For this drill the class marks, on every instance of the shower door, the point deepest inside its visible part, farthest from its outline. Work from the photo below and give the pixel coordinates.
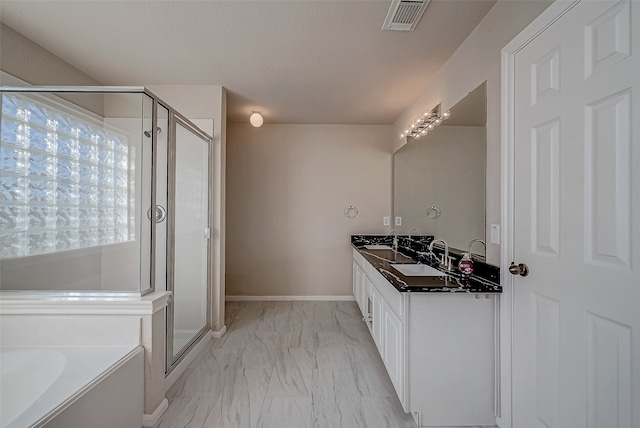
(188, 238)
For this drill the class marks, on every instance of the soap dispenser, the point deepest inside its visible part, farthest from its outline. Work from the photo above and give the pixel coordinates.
(465, 265)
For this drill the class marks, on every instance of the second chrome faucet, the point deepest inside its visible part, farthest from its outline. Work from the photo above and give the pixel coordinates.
(445, 262)
(394, 245)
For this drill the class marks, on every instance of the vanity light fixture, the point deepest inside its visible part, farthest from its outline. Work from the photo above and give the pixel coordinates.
(426, 123)
(256, 119)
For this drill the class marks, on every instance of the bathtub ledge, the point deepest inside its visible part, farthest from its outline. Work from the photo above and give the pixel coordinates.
(78, 305)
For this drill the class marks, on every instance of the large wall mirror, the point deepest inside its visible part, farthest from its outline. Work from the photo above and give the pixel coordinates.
(439, 178)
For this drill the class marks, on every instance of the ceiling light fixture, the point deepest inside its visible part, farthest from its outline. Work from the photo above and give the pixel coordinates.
(425, 123)
(256, 119)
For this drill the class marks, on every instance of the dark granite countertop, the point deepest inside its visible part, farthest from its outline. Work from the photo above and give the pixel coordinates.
(449, 282)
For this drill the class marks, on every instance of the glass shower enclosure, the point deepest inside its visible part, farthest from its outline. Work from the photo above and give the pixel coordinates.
(104, 193)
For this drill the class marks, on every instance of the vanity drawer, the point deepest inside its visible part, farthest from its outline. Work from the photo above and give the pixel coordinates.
(394, 299)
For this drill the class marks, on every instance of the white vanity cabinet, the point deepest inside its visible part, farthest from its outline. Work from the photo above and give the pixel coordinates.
(438, 348)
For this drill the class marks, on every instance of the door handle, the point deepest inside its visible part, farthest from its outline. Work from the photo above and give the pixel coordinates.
(160, 213)
(519, 269)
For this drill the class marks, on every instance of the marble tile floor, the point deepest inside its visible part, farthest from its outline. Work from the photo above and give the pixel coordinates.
(287, 364)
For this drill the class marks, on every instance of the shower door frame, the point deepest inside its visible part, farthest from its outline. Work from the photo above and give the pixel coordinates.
(175, 118)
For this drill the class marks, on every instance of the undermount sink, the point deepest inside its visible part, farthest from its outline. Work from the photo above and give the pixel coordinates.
(377, 247)
(382, 252)
(417, 270)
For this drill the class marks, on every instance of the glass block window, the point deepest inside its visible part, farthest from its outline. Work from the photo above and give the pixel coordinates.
(64, 180)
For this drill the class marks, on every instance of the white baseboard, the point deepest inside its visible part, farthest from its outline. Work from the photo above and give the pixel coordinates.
(153, 418)
(232, 298)
(219, 333)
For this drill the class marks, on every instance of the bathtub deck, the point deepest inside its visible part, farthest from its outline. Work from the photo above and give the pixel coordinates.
(83, 368)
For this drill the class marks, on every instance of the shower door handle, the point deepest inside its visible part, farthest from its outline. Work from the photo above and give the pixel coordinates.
(161, 213)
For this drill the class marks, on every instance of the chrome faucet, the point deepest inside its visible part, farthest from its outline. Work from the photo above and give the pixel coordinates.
(394, 245)
(474, 241)
(414, 230)
(444, 262)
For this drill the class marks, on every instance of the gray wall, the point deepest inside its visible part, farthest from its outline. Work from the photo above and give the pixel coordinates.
(288, 188)
(22, 58)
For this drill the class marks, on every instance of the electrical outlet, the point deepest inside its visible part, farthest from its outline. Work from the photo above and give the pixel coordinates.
(495, 234)
(398, 221)
(385, 221)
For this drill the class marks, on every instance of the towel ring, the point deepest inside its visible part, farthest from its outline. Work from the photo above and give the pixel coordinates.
(433, 212)
(351, 212)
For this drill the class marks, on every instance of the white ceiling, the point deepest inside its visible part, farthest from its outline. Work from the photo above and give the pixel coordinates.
(322, 61)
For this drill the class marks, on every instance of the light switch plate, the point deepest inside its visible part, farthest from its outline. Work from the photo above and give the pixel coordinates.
(495, 234)
(385, 221)
(398, 221)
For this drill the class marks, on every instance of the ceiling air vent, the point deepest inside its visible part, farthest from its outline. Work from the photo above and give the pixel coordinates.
(404, 15)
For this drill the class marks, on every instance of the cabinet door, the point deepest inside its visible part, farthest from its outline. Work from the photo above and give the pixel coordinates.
(376, 315)
(354, 280)
(393, 353)
(362, 296)
(357, 285)
(360, 286)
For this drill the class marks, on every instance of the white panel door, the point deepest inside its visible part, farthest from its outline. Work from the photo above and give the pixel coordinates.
(576, 316)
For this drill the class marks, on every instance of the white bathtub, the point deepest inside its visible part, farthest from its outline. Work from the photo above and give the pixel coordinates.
(71, 387)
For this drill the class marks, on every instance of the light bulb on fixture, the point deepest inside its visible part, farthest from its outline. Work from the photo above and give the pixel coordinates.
(256, 119)
(425, 123)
